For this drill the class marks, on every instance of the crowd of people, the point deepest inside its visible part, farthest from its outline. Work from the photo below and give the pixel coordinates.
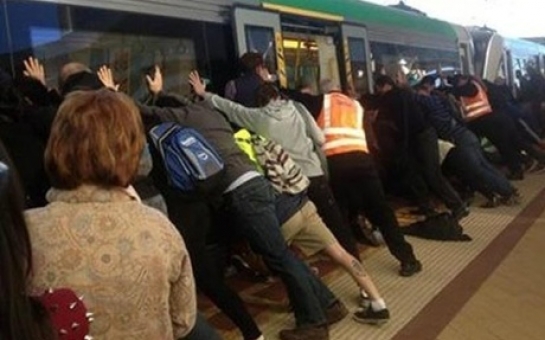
(108, 247)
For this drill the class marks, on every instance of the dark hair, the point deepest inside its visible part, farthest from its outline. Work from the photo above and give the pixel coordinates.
(81, 81)
(21, 317)
(428, 80)
(265, 93)
(250, 60)
(384, 80)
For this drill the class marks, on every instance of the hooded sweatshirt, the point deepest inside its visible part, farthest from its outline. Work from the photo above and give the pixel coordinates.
(282, 122)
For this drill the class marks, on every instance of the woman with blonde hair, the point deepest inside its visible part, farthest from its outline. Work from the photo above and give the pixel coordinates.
(96, 238)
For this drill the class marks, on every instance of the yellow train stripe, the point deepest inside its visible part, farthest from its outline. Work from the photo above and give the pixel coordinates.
(303, 12)
(281, 63)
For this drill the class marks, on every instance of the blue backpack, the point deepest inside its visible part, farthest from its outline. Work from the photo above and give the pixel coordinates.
(191, 163)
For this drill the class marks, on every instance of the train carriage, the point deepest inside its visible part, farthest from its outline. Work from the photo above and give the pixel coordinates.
(343, 40)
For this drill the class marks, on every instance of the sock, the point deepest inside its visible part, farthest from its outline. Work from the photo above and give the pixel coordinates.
(378, 304)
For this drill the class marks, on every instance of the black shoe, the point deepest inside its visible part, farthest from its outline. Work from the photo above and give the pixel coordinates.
(410, 268)
(511, 200)
(516, 176)
(370, 316)
(460, 212)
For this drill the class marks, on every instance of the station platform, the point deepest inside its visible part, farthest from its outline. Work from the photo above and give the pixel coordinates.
(489, 288)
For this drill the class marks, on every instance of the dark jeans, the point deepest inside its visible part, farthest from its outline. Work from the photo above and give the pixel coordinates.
(500, 131)
(426, 150)
(321, 195)
(358, 192)
(193, 220)
(252, 206)
(470, 165)
(202, 330)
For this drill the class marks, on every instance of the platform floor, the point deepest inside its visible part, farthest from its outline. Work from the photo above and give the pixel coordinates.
(490, 288)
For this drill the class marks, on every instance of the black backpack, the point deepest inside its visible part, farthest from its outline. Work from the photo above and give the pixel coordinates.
(440, 227)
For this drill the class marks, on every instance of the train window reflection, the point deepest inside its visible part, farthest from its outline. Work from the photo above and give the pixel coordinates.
(129, 43)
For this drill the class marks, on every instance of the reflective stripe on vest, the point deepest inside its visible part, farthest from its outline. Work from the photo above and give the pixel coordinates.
(341, 120)
(476, 106)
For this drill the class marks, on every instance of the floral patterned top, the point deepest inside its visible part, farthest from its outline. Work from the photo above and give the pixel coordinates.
(126, 260)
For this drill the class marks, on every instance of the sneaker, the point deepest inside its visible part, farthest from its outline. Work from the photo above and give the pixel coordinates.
(410, 268)
(336, 313)
(305, 333)
(370, 316)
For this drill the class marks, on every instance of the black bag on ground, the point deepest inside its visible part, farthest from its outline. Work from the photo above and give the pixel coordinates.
(441, 227)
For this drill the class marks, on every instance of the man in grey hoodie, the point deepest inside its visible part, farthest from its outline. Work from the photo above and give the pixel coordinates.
(289, 124)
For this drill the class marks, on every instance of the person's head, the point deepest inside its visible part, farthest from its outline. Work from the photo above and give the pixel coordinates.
(97, 139)
(460, 80)
(384, 84)
(427, 85)
(266, 93)
(70, 69)
(328, 85)
(20, 315)
(252, 62)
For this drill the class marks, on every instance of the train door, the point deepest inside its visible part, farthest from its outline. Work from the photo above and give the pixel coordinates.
(465, 59)
(493, 57)
(258, 30)
(356, 54)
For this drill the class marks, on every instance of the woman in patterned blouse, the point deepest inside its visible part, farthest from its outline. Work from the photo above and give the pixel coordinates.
(95, 237)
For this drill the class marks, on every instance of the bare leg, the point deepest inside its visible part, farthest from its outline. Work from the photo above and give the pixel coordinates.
(354, 268)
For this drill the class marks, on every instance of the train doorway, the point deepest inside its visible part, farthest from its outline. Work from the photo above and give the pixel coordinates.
(303, 51)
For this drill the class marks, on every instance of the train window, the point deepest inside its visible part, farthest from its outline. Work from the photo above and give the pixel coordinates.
(130, 43)
(414, 62)
(309, 59)
(262, 40)
(359, 64)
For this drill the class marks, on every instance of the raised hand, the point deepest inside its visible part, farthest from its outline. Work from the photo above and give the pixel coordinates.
(198, 85)
(107, 78)
(35, 70)
(155, 84)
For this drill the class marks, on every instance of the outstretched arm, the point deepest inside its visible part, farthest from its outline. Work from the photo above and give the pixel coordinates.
(236, 113)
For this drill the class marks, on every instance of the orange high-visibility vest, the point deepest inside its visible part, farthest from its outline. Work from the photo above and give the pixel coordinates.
(476, 106)
(341, 120)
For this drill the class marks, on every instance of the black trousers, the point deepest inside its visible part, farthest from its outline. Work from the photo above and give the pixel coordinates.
(193, 220)
(426, 151)
(321, 195)
(501, 131)
(357, 189)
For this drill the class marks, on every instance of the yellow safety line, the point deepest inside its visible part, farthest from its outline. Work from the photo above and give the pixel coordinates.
(303, 12)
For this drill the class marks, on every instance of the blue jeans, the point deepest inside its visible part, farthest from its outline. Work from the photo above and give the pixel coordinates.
(253, 208)
(470, 164)
(202, 330)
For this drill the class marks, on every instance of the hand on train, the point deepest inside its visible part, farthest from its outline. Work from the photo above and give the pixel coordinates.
(198, 85)
(35, 70)
(155, 84)
(107, 78)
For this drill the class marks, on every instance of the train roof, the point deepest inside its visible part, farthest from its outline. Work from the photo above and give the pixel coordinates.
(372, 14)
